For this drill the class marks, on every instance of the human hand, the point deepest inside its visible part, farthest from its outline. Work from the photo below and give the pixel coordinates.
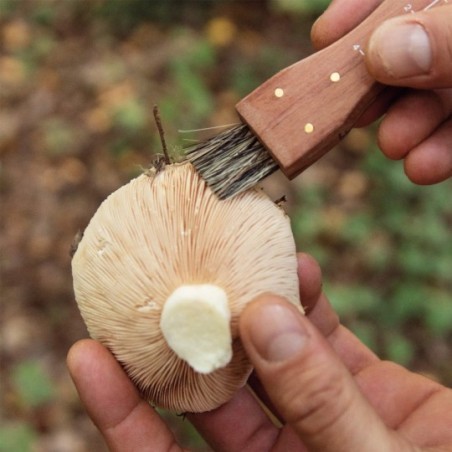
(412, 51)
(330, 392)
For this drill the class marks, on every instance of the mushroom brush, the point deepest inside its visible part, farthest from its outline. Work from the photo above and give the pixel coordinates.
(161, 276)
(301, 113)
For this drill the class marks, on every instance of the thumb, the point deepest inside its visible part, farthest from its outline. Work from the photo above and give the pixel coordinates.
(413, 50)
(307, 383)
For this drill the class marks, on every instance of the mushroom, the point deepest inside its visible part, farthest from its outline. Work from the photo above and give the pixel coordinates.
(161, 276)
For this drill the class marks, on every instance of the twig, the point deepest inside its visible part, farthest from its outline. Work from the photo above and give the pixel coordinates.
(158, 122)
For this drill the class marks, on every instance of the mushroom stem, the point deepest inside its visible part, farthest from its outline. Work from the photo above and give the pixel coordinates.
(195, 324)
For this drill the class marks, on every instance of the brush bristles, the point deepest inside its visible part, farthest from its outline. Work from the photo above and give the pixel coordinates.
(232, 161)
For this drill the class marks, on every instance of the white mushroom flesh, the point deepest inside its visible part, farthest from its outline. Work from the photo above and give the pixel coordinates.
(195, 324)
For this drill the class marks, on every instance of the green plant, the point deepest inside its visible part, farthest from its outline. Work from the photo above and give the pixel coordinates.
(17, 437)
(32, 384)
(387, 264)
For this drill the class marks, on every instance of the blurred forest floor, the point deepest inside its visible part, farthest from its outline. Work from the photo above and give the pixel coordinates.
(78, 80)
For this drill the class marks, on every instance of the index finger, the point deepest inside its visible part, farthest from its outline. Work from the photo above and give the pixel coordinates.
(125, 420)
(340, 18)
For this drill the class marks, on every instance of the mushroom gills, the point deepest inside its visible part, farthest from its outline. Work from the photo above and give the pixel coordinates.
(195, 324)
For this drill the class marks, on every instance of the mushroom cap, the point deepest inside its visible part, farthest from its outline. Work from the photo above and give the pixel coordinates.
(164, 230)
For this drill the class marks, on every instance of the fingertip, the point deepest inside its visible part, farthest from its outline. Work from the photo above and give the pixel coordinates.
(415, 174)
(310, 280)
(73, 354)
(307, 261)
(320, 34)
(387, 140)
(252, 310)
(427, 168)
(91, 365)
(94, 372)
(272, 332)
(339, 18)
(309, 268)
(265, 315)
(113, 402)
(410, 121)
(424, 146)
(80, 353)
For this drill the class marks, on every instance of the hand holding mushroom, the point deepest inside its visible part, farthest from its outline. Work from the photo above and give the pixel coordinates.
(327, 389)
(411, 51)
(330, 392)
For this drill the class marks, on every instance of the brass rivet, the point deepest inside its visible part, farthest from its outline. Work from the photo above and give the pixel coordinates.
(309, 128)
(335, 77)
(279, 92)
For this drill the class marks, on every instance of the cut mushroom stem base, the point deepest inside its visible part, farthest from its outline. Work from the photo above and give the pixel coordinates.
(195, 324)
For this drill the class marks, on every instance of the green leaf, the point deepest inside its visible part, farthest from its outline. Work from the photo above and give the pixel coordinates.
(8, 7)
(131, 116)
(406, 302)
(202, 56)
(358, 228)
(353, 300)
(399, 348)
(414, 260)
(439, 313)
(32, 383)
(300, 6)
(16, 437)
(366, 333)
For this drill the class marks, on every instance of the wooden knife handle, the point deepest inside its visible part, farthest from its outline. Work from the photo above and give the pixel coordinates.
(306, 109)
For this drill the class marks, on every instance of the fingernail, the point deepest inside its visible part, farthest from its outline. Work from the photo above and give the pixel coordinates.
(276, 333)
(403, 49)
